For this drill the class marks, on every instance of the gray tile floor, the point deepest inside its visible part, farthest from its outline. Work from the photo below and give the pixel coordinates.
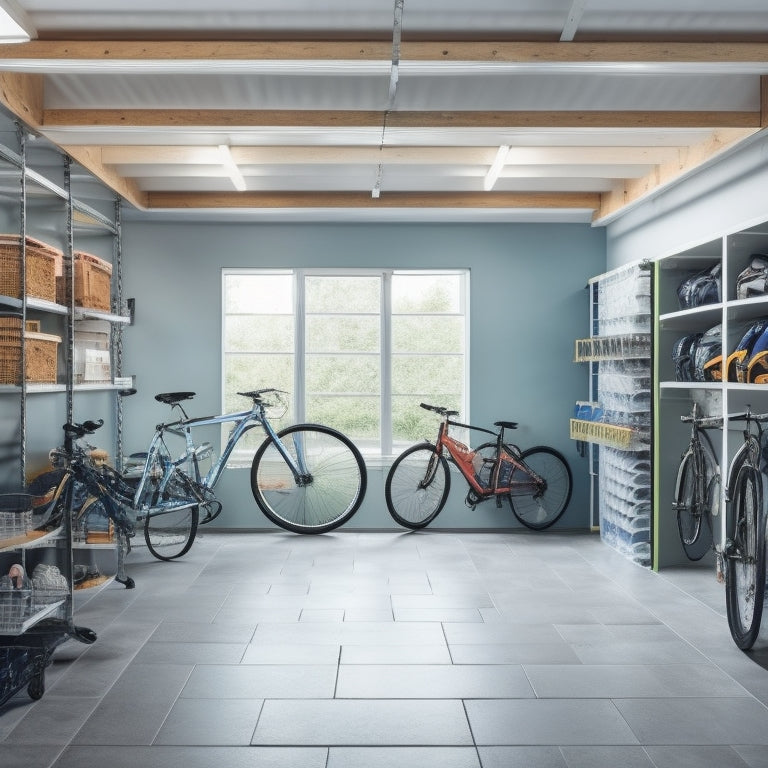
(458, 650)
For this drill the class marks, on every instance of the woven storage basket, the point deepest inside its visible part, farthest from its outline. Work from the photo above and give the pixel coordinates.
(41, 354)
(40, 272)
(41, 357)
(10, 350)
(93, 281)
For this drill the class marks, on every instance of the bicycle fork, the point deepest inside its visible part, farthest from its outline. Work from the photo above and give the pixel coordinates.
(301, 474)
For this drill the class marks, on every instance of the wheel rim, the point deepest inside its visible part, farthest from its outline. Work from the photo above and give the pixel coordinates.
(330, 488)
(416, 487)
(541, 510)
(746, 571)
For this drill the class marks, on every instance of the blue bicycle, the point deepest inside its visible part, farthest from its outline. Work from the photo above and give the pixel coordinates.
(306, 478)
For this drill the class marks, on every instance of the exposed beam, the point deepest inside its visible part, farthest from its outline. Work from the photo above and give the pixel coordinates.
(634, 190)
(231, 118)
(369, 50)
(190, 200)
(90, 158)
(764, 101)
(22, 94)
(390, 155)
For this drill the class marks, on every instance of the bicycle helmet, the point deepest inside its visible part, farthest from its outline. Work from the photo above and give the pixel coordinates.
(738, 361)
(757, 369)
(708, 357)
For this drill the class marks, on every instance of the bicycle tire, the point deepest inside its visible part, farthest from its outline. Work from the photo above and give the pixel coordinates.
(745, 559)
(693, 524)
(417, 486)
(541, 511)
(170, 533)
(336, 488)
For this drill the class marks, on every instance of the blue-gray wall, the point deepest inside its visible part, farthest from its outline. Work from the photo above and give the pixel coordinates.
(528, 304)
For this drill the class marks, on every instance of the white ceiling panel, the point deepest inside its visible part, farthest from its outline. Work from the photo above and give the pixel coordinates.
(421, 102)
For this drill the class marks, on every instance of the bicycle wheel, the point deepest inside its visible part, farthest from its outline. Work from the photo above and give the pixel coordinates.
(692, 506)
(330, 489)
(417, 486)
(170, 532)
(543, 509)
(745, 559)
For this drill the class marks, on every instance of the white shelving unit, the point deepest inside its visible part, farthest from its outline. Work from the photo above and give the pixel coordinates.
(716, 398)
(619, 439)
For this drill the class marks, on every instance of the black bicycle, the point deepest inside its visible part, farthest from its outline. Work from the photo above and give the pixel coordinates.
(742, 555)
(698, 486)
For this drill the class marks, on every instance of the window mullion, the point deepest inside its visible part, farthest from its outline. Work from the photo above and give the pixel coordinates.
(300, 348)
(386, 363)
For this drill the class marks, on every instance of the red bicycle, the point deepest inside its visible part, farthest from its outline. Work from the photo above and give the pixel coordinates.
(536, 482)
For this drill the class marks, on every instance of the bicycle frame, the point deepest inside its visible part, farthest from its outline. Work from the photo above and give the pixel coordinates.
(750, 444)
(183, 428)
(463, 457)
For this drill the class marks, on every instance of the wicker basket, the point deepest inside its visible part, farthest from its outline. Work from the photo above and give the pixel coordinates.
(10, 350)
(40, 273)
(41, 354)
(93, 281)
(42, 357)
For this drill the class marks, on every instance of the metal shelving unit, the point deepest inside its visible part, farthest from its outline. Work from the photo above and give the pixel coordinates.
(39, 197)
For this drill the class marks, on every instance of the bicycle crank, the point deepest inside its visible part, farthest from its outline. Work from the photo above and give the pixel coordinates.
(473, 499)
(212, 511)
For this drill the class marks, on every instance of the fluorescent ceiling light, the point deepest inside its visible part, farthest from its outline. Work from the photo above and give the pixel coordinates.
(496, 167)
(231, 167)
(11, 29)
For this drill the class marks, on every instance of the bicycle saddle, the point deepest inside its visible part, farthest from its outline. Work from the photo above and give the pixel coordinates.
(505, 424)
(171, 398)
(81, 430)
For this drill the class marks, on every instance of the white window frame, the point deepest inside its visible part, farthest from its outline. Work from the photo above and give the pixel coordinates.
(385, 352)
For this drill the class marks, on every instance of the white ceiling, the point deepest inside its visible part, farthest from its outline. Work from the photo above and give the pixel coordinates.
(390, 109)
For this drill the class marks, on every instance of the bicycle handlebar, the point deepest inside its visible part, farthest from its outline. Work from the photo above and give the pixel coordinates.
(256, 394)
(439, 409)
(748, 416)
(703, 422)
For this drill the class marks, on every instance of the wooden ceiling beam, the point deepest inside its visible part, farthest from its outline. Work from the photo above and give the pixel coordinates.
(523, 52)
(233, 118)
(22, 94)
(127, 155)
(634, 190)
(487, 200)
(90, 158)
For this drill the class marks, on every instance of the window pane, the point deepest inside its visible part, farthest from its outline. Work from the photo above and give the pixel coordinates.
(420, 293)
(259, 333)
(357, 417)
(341, 374)
(267, 294)
(428, 375)
(246, 372)
(342, 294)
(412, 424)
(428, 333)
(340, 333)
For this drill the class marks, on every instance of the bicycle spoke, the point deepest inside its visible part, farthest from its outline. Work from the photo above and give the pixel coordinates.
(417, 486)
(327, 492)
(546, 506)
(745, 571)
